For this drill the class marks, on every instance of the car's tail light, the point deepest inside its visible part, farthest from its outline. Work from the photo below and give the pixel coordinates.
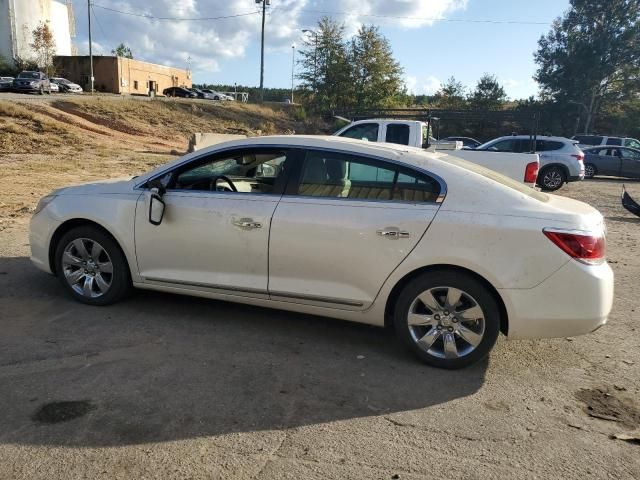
(586, 248)
(531, 172)
(578, 156)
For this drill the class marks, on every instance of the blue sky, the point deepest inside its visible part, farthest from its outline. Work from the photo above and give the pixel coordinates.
(228, 50)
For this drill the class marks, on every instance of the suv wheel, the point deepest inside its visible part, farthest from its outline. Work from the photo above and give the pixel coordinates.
(449, 319)
(552, 178)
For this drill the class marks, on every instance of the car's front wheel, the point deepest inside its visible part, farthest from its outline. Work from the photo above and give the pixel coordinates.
(552, 178)
(92, 267)
(448, 318)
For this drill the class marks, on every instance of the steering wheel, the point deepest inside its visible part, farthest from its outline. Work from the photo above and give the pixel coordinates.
(214, 183)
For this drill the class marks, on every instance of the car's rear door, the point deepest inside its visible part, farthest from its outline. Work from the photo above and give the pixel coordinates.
(344, 224)
(608, 161)
(630, 162)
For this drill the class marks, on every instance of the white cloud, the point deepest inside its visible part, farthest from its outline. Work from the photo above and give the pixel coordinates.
(207, 42)
(422, 86)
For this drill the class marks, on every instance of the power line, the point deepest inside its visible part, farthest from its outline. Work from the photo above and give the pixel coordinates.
(431, 19)
(104, 35)
(195, 19)
(328, 12)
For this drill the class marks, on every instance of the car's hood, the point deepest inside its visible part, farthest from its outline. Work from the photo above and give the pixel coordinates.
(115, 185)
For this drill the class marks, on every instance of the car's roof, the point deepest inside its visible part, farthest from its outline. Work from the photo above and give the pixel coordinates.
(538, 137)
(605, 147)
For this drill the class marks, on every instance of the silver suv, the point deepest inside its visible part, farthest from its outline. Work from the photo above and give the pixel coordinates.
(585, 140)
(561, 160)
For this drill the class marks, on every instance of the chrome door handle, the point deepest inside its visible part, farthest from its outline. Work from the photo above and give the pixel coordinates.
(247, 223)
(393, 233)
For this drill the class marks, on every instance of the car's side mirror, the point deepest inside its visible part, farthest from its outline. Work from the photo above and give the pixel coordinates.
(156, 207)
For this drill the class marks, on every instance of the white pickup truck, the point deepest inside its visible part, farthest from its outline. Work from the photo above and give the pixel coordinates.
(522, 167)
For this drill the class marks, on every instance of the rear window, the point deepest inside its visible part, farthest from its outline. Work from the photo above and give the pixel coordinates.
(614, 141)
(588, 139)
(397, 133)
(548, 145)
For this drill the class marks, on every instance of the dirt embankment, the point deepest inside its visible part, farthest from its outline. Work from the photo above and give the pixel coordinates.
(48, 144)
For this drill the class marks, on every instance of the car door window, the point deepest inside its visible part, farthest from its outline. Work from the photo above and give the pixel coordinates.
(338, 175)
(627, 153)
(503, 146)
(363, 131)
(397, 133)
(614, 141)
(259, 171)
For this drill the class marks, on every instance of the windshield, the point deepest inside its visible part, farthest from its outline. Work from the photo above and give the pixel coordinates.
(29, 75)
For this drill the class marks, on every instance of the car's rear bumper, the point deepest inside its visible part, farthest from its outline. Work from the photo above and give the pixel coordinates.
(575, 300)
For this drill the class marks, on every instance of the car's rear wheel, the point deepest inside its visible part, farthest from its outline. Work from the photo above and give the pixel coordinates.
(449, 319)
(92, 267)
(590, 170)
(552, 178)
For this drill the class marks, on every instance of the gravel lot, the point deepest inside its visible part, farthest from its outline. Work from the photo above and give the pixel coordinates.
(174, 387)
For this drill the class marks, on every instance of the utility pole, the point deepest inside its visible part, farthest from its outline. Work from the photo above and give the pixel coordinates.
(90, 46)
(264, 11)
(293, 62)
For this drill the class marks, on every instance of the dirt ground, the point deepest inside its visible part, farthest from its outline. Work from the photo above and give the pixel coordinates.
(163, 386)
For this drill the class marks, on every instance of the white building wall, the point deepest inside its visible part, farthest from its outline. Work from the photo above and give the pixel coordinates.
(16, 35)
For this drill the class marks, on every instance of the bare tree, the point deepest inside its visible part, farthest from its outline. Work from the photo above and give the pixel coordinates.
(45, 47)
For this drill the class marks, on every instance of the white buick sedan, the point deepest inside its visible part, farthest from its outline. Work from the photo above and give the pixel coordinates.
(448, 252)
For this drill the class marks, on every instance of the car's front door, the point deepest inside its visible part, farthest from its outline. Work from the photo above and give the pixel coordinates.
(344, 226)
(215, 230)
(630, 163)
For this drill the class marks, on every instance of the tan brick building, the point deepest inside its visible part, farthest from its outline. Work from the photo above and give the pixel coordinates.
(121, 75)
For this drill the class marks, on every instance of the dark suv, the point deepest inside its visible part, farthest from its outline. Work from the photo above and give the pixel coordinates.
(32, 82)
(178, 92)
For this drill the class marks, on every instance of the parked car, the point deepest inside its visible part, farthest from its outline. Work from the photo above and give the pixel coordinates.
(202, 94)
(616, 161)
(561, 160)
(30, 82)
(66, 86)
(447, 251)
(594, 140)
(520, 167)
(467, 142)
(6, 84)
(217, 95)
(179, 92)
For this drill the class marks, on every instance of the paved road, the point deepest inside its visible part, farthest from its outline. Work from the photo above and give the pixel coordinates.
(178, 387)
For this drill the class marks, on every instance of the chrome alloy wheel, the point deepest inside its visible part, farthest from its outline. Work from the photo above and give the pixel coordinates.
(552, 179)
(446, 322)
(87, 267)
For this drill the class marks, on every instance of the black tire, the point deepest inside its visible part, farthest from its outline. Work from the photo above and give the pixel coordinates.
(552, 178)
(473, 289)
(120, 278)
(590, 170)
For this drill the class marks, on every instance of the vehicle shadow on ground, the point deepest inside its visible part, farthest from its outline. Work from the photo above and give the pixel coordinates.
(162, 367)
